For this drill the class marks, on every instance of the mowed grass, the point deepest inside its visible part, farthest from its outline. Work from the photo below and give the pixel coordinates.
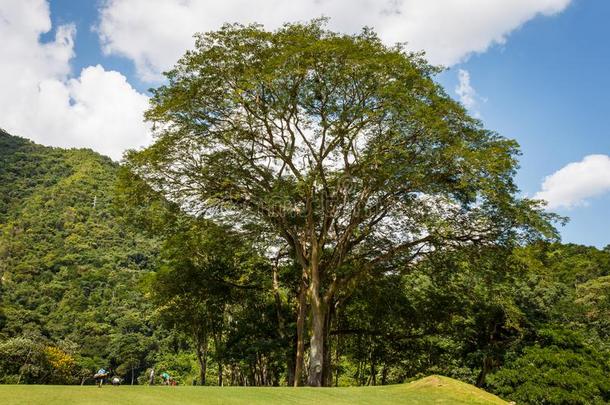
(430, 390)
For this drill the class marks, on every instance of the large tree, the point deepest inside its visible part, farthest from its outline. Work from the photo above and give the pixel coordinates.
(339, 147)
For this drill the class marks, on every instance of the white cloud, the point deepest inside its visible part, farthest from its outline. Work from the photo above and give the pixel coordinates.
(154, 34)
(574, 183)
(41, 101)
(465, 91)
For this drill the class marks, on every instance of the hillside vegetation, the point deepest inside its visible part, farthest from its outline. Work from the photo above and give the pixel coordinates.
(68, 263)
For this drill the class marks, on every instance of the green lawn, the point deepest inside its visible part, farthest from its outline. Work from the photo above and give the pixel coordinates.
(430, 390)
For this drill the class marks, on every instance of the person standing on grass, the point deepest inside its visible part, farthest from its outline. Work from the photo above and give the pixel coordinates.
(165, 377)
(99, 377)
(151, 377)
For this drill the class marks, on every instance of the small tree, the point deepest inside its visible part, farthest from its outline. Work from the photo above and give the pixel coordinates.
(202, 266)
(343, 147)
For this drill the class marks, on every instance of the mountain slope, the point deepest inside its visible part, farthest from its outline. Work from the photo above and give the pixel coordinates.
(69, 265)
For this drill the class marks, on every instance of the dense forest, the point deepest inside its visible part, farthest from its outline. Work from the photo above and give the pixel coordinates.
(227, 259)
(70, 267)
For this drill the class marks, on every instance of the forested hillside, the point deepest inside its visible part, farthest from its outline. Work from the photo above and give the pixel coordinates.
(69, 266)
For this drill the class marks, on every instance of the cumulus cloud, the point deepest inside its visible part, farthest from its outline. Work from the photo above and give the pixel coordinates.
(42, 101)
(576, 182)
(155, 34)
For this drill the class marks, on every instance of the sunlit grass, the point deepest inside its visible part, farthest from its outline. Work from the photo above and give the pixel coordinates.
(430, 390)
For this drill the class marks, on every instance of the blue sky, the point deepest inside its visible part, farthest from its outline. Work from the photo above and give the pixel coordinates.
(533, 71)
(84, 15)
(547, 87)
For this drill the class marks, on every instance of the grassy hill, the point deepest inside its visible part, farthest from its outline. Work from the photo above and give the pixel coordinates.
(430, 390)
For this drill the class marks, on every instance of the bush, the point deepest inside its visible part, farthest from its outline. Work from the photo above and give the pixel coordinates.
(26, 360)
(561, 369)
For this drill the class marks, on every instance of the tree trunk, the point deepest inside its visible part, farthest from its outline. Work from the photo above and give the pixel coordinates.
(281, 324)
(485, 368)
(300, 350)
(202, 358)
(316, 345)
(220, 373)
(327, 378)
(290, 367)
(384, 375)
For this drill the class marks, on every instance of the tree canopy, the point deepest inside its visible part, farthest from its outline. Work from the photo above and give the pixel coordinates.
(343, 151)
